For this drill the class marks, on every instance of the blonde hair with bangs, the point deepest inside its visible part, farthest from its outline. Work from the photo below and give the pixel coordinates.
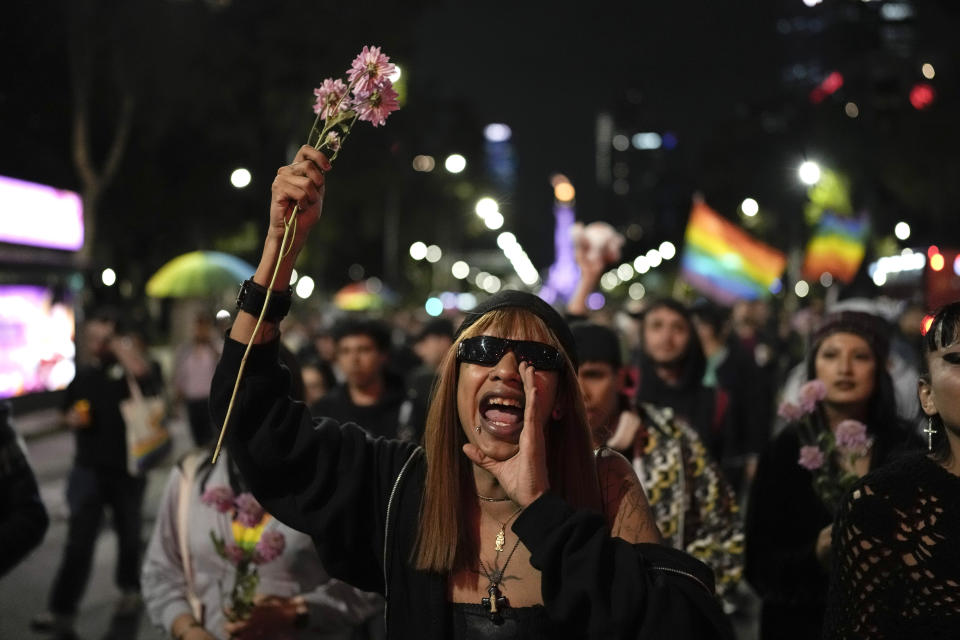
(444, 543)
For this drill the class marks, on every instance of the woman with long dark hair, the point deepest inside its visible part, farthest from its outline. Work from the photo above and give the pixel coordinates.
(495, 527)
(896, 570)
(789, 522)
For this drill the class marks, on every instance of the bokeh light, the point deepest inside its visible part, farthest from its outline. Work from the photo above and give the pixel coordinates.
(809, 173)
(802, 288)
(418, 251)
(433, 306)
(240, 178)
(667, 250)
(424, 163)
(497, 132)
(108, 277)
(749, 207)
(937, 262)
(902, 230)
(455, 163)
(636, 291)
(305, 286)
(460, 269)
(564, 192)
(434, 253)
(851, 109)
(928, 71)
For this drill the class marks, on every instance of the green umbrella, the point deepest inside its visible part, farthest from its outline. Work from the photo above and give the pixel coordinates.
(198, 274)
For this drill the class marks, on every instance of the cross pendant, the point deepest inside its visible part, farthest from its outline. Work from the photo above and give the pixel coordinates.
(929, 431)
(494, 600)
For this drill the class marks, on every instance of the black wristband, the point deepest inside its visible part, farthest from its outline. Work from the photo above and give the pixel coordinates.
(252, 297)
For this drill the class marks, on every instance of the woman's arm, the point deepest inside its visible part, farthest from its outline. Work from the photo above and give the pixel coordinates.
(328, 480)
(625, 504)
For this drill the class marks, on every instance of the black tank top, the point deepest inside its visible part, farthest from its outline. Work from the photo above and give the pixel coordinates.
(472, 622)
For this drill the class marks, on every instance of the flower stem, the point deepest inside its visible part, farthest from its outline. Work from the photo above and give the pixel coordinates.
(290, 223)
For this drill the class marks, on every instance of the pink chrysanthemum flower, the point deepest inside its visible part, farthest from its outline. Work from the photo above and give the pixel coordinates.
(790, 412)
(851, 436)
(369, 71)
(330, 98)
(234, 552)
(249, 511)
(333, 141)
(375, 107)
(219, 497)
(810, 457)
(269, 547)
(810, 394)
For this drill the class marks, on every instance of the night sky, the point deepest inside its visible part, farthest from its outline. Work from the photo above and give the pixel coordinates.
(220, 84)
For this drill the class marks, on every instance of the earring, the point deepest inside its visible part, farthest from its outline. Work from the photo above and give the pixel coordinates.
(477, 429)
(930, 431)
(557, 413)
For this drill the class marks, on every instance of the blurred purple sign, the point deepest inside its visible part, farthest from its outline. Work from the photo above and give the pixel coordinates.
(40, 216)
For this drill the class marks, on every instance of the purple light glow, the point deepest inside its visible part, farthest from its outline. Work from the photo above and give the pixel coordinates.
(36, 341)
(596, 301)
(40, 216)
(564, 274)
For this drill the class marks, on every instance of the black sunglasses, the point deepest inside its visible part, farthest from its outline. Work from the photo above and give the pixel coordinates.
(487, 351)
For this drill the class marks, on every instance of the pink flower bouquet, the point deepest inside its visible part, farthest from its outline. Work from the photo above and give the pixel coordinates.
(251, 545)
(822, 448)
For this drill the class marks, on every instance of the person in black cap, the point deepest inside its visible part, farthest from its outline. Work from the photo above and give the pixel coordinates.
(695, 507)
(431, 344)
(789, 524)
(495, 527)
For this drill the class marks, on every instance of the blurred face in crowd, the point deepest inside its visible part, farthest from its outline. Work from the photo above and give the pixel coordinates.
(432, 348)
(360, 360)
(666, 335)
(98, 335)
(940, 391)
(846, 364)
(314, 387)
(600, 385)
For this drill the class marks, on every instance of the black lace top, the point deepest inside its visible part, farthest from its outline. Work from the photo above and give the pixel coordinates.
(897, 555)
(472, 621)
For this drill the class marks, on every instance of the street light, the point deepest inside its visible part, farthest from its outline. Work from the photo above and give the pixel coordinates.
(455, 163)
(902, 230)
(486, 206)
(240, 178)
(809, 173)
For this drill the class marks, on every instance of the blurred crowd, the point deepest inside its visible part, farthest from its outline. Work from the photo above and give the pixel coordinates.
(714, 407)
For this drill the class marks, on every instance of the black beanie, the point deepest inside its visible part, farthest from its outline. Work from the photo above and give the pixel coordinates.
(596, 343)
(533, 304)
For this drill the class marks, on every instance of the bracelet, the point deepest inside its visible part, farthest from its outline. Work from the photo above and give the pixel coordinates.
(252, 296)
(183, 633)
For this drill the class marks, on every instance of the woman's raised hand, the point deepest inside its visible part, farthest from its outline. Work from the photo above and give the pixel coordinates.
(300, 184)
(524, 475)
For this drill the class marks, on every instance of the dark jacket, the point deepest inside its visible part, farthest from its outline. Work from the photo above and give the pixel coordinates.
(360, 497)
(23, 518)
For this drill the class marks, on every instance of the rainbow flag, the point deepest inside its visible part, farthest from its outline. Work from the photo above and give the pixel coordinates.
(837, 247)
(726, 263)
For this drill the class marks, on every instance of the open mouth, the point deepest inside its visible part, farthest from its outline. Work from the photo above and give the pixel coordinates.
(502, 415)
